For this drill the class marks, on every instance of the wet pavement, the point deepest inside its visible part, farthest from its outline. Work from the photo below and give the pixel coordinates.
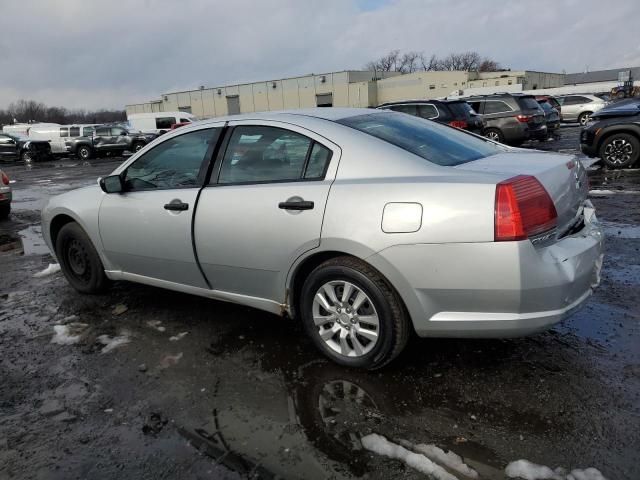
(147, 383)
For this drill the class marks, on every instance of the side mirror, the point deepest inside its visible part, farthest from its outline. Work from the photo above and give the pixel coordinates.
(112, 184)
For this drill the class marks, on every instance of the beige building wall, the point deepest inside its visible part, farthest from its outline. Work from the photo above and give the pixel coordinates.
(420, 85)
(274, 95)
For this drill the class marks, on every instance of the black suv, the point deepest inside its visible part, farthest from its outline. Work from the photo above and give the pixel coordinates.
(614, 135)
(14, 147)
(456, 113)
(108, 139)
(510, 118)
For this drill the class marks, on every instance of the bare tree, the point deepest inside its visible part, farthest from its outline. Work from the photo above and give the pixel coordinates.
(412, 61)
(32, 111)
(488, 65)
(429, 65)
(409, 62)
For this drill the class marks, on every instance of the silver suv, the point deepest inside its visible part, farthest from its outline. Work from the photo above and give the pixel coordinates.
(578, 108)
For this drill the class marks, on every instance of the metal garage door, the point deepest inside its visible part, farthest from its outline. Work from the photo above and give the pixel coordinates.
(233, 105)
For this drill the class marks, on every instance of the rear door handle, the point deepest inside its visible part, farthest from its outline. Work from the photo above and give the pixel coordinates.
(177, 206)
(296, 205)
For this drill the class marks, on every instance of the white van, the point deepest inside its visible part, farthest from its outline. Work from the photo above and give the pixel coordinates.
(158, 122)
(57, 135)
(23, 128)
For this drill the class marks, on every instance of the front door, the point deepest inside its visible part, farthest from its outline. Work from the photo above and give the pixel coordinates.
(147, 229)
(263, 207)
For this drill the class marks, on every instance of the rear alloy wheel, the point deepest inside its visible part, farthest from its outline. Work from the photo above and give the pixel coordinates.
(620, 150)
(84, 153)
(494, 134)
(584, 118)
(79, 260)
(137, 147)
(353, 315)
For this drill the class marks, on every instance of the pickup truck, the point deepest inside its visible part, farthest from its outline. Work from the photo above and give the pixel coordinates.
(108, 139)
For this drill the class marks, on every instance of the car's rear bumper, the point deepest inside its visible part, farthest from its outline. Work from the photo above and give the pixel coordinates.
(494, 289)
(5, 195)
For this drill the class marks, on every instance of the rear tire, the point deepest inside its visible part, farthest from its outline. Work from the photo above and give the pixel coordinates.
(583, 118)
(620, 150)
(79, 260)
(365, 324)
(26, 156)
(136, 147)
(84, 152)
(494, 134)
(5, 210)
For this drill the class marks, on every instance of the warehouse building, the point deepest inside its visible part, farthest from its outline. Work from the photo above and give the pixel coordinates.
(338, 89)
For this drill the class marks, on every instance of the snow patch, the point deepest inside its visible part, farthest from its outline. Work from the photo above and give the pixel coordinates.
(614, 192)
(113, 342)
(50, 270)
(380, 445)
(156, 324)
(68, 334)
(177, 337)
(449, 459)
(532, 471)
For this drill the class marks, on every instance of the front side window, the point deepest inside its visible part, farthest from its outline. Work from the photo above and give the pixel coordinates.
(174, 163)
(103, 131)
(165, 122)
(496, 106)
(266, 154)
(476, 106)
(88, 131)
(432, 141)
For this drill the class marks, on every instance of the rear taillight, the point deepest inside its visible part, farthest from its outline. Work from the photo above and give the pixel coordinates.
(523, 209)
(523, 118)
(5, 178)
(458, 123)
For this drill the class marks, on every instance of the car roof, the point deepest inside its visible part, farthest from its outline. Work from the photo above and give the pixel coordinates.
(406, 102)
(333, 114)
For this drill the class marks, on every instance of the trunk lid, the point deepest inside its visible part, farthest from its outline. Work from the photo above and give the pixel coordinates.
(563, 176)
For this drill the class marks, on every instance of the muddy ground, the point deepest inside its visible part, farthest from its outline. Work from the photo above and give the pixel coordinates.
(166, 385)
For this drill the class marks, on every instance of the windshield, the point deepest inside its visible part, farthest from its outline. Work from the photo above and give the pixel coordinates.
(528, 102)
(436, 143)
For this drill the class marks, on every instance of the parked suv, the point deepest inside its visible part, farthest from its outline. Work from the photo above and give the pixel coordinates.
(510, 118)
(456, 113)
(108, 139)
(614, 136)
(578, 108)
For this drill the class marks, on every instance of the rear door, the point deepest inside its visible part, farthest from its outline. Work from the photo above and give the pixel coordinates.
(263, 207)
(146, 230)
(570, 108)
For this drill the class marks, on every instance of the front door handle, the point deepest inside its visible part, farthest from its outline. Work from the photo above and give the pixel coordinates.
(176, 206)
(296, 205)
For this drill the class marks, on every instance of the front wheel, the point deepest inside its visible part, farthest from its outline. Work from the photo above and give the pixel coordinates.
(353, 315)
(137, 147)
(26, 156)
(79, 260)
(584, 117)
(620, 150)
(84, 153)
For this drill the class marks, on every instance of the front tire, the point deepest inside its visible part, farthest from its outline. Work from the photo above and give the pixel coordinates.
(26, 156)
(583, 118)
(84, 152)
(137, 147)
(620, 150)
(79, 260)
(353, 315)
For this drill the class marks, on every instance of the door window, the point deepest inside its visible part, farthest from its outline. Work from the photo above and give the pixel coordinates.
(410, 109)
(117, 131)
(88, 131)
(64, 131)
(265, 154)
(318, 162)
(103, 131)
(476, 105)
(74, 131)
(175, 163)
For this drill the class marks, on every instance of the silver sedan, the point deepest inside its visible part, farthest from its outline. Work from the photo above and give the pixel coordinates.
(366, 225)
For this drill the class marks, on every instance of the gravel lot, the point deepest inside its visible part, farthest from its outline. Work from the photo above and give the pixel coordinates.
(165, 385)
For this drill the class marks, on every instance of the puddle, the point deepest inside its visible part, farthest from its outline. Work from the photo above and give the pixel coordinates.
(32, 241)
(621, 230)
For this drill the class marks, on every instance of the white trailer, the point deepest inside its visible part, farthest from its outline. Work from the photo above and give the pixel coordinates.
(24, 128)
(157, 122)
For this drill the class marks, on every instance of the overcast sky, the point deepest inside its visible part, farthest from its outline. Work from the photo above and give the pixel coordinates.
(92, 54)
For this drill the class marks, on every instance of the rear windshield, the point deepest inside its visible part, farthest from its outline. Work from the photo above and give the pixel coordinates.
(545, 106)
(436, 143)
(528, 103)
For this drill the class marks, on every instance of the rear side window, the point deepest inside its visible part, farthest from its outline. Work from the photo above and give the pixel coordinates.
(318, 162)
(432, 141)
(428, 111)
(528, 103)
(496, 106)
(165, 122)
(64, 132)
(74, 131)
(460, 109)
(476, 106)
(410, 109)
(185, 120)
(258, 154)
